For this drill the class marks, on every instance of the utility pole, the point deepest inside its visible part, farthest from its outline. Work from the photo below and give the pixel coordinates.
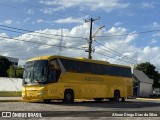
(60, 47)
(91, 20)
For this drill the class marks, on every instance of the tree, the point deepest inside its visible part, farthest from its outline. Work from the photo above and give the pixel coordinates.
(4, 66)
(15, 72)
(150, 71)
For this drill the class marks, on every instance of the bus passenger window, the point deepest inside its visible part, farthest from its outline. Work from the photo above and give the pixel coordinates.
(55, 64)
(52, 76)
(54, 72)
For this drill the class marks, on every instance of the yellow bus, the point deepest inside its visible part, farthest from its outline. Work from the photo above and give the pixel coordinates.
(63, 78)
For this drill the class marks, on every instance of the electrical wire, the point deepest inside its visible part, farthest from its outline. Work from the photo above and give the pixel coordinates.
(143, 32)
(115, 58)
(41, 43)
(40, 32)
(115, 53)
(27, 33)
(56, 45)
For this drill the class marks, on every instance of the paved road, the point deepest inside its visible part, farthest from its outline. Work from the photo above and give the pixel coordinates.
(70, 110)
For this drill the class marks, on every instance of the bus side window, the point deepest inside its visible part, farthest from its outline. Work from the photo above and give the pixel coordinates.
(52, 75)
(55, 64)
(54, 71)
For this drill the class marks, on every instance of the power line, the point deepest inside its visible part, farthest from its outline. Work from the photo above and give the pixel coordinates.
(27, 33)
(55, 45)
(143, 32)
(60, 48)
(37, 35)
(17, 49)
(40, 32)
(115, 58)
(115, 52)
(40, 43)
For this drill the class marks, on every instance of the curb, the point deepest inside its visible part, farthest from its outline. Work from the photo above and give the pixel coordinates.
(18, 100)
(12, 101)
(148, 99)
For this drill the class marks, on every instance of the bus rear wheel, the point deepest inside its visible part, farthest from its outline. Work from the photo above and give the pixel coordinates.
(68, 96)
(116, 96)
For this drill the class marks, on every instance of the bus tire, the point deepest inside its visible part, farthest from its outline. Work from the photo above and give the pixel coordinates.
(111, 99)
(116, 96)
(68, 96)
(47, 101)
(98, 99)
(123, 99)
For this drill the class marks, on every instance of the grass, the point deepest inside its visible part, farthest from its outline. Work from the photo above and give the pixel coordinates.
(10, 94)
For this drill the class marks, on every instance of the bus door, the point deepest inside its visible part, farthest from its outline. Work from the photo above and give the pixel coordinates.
(54, 71)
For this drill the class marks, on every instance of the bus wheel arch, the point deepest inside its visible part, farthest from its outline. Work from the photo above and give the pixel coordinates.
(116, 95)
(68, 96)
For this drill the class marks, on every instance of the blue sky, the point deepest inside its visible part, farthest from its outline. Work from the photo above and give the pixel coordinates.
(50, 16)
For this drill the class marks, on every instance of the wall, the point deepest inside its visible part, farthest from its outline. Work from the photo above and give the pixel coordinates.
(10, 87)
(144, 88)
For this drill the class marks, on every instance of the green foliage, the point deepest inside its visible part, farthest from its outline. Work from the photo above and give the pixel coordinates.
(11, 72)
(150, 71)
(15, 72)
(4, 66)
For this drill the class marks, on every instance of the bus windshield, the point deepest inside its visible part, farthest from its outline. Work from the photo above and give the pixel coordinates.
(35, 71)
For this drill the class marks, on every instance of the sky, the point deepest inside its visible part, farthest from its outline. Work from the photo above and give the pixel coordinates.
(30, 28)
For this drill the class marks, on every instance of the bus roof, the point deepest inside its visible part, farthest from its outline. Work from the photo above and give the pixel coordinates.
(50, 57)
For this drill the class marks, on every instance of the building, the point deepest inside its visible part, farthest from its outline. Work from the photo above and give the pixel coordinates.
(14, 61)
(144, 87)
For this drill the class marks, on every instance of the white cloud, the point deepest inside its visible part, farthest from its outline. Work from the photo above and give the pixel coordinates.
(50, 11)
(120, 44)
(153, 25)
(62, 21)
(8, 22)
(153, 41)
(156, 34)
(117, 24)
(40, 21)
(147, 5)
(69, 20)
(30, 11)
(105, 5)
(27, 19)
(117, 31)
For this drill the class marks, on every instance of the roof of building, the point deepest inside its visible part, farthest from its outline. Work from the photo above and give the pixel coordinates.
(141, 76)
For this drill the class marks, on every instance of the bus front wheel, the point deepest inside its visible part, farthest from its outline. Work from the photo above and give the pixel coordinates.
(68, 96)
